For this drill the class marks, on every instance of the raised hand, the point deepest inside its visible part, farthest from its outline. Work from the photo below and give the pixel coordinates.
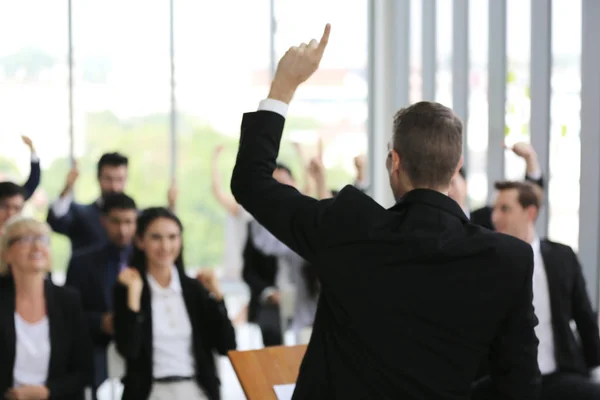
(28, 142)
(296, 66)
(210, 282)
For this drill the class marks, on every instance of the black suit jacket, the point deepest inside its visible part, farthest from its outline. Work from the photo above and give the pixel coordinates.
(70, 368)
(211, 331)
(569, 301)
(483, 216)
(412, 298)
(81, 225)
(259, 272)
(87, 273)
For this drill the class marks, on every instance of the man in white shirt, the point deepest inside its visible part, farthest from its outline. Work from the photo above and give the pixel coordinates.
(570, 365)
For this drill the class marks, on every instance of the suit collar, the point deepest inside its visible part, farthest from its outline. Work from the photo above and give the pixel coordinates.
(431, 198)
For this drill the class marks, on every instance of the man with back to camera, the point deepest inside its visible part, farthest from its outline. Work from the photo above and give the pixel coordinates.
(413, 298)
(570, 365)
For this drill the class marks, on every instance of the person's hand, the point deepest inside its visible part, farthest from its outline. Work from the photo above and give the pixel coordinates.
(218, 150)
(210, 282)
(131, 278)
(28, 393)
(72, 175)
(360, 162)
(172, 195)
(316, 169)
(274, 298)
(296, 66)
(107, 324)
(28, 142)
(522, 149)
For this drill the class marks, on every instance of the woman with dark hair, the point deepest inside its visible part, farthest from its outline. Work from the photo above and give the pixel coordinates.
(166, 324)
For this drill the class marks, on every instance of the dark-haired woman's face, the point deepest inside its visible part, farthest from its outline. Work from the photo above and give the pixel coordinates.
(161, 242)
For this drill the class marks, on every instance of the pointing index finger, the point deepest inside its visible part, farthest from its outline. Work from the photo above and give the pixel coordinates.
(325, 38)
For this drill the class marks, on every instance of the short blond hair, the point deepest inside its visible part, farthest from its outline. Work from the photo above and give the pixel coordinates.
(19, 225)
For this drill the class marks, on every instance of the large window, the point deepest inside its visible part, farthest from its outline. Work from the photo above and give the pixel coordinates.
(565, 148)
(332, 105)
(218, 77)
(477, 138)
(416, 51)
(34, 98)
(443, 87)
(518, 49)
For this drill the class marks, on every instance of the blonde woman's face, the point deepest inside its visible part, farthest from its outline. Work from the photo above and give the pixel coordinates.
(28, 251)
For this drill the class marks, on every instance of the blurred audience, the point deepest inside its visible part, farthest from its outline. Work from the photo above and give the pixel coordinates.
(46, 350)
(166, 324)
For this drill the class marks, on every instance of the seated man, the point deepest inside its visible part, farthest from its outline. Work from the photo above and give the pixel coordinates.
(94, 273)
(570, 367)
(483, 215)
(12, 200)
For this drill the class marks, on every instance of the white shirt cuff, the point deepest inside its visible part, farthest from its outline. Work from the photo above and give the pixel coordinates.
(595, 374)
(535, 175)
(34, 158)
(275, 106)
(266, 294)
(61, 206)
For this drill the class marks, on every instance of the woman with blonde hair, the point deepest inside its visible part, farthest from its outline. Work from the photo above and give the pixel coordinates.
(46, 350)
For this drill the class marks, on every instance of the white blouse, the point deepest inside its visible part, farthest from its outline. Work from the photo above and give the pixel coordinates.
(32, 357)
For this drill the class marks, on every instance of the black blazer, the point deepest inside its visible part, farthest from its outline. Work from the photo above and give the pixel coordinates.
(569, 301)
(483, 216)
(35, 175)
(87, 273)
(211, 330)
(259, 272)
(70, 368)
(81, 225)
(412, 298)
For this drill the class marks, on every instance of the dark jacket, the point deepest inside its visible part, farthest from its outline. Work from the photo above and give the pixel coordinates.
(413, 298)
(70, 368)
(211, 331)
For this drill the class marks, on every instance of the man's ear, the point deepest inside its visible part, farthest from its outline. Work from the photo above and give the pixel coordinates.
(460, 165)
(532, 213)
(395, 162)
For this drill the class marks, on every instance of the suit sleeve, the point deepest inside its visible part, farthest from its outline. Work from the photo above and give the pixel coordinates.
(78, 278)
(33, 181)
(61, 223)
(222, 333)
(514, 371)
(585, 317)
(128, 325)
(297, 220)
(80, 364)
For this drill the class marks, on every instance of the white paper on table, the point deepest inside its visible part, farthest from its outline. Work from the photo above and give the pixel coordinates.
(284, 392)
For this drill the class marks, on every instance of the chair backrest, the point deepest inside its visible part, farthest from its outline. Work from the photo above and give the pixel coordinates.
(116, 363)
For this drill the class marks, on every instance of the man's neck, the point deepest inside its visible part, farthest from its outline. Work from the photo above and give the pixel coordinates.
(530, 235)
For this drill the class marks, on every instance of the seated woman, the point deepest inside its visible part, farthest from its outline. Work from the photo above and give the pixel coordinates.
(166, 324)
(45, 350)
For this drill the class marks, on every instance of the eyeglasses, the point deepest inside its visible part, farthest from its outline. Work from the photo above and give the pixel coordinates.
(30, 240)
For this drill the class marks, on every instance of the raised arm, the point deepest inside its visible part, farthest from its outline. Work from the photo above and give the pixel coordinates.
(60, 216)
(295, 219)
(225, 199)
(35, 173)
(533, 170)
